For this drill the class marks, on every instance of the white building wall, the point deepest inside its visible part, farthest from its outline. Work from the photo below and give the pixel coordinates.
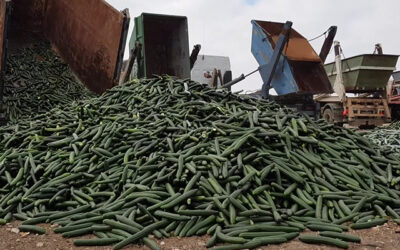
(205, 66)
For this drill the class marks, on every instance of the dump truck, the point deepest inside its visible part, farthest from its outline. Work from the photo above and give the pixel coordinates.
(290, 66)
(359, 83)
(76, 30)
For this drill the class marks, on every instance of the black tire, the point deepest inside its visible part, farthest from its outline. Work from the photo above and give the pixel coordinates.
(328, 115)
(395, 112)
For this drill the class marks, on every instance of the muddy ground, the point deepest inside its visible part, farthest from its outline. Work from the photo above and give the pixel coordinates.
(382, 237)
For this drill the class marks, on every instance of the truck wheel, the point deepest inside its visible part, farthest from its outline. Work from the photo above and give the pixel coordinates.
(395, 112)
(328, 116)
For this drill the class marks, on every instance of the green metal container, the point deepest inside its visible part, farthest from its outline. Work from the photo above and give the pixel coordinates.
(165, 46)
(364, 73)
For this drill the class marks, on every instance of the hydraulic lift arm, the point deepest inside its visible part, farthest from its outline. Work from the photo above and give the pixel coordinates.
(194, 54)
(326, 47)
(239, 79)
(338, 86)
(378, 49)
(134, 54)
(269, 69)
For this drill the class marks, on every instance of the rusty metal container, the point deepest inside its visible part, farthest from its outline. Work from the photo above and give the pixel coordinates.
(300, 70)
(89, 35)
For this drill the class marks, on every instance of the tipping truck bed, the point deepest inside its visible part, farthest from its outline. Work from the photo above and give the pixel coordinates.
(299, 70)
(89, 35)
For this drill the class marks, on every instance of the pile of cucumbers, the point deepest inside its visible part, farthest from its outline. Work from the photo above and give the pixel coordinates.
(394, 125)
(168, 157)
(386, 136)
(37, 80)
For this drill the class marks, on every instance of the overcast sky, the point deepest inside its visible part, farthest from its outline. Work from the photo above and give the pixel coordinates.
(223, 27)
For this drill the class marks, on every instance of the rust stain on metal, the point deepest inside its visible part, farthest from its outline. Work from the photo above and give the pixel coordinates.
(305, 64)
(310, 77)
(28, 15)
(297, 48)
(87, 35)
(264, 55)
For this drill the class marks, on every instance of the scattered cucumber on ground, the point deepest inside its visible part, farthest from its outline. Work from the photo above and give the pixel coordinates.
(169, 157)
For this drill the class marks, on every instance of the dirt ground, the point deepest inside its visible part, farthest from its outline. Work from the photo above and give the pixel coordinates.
(382, 237)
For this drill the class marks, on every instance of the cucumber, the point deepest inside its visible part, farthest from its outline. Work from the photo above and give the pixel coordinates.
(341, 236)
(151, 244)
(142, 233)
(313, 239)
(171, 216)
(320, 227)
(32, 229)
(369, 224)
(166, 156)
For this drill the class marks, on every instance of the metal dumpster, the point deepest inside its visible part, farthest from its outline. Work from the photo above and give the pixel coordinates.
(364, 73)
(164, 46)
(300, 70)
(89, 35)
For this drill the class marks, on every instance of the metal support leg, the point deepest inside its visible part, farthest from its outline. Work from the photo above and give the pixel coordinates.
(269, 69)
(3, 118)
(2, 108)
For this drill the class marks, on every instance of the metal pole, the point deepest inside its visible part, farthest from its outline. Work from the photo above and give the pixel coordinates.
(194, 54)
(338, 86)
(3, 60)
(326, 47)
(271, 67)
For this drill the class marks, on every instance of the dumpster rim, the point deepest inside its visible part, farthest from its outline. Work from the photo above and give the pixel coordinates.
(161, 15)
(361, 55)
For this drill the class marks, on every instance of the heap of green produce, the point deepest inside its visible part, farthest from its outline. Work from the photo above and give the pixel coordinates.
(387, 137)
(394, 125)
(175, 158)
(36, 80)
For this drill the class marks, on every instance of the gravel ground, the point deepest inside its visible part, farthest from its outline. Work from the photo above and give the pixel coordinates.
(381, 237)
